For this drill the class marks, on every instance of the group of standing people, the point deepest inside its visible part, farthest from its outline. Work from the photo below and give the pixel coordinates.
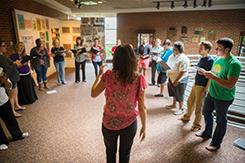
(215, 82)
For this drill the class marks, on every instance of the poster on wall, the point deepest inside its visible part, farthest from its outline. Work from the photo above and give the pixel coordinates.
(28, 42)
(39, 27)
(34, 24)
(47, 23)
(42, 36)
(43, 24)
(28, 24)
(47, 36)
(21, 21)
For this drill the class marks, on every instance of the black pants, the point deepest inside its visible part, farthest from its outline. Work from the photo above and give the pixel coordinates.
(153, 71)
(96, 68)
(8, 118)
(126, 141)
(77, 67)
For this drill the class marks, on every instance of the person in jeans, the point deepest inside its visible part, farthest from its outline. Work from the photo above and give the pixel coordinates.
(80, 59)
(162, 76)
(200, 87)
(223, 78)
(121, 84)
(7, 115)
(155, 52)
(58, 53)
(97, 55)
(40, 63)
(178, 76)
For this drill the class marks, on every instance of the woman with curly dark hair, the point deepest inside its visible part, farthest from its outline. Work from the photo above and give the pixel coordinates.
(124, 92)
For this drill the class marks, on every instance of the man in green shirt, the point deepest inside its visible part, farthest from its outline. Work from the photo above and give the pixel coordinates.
(223, 77)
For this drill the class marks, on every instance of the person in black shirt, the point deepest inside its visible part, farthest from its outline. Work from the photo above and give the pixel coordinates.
(199, 89)
(58, 54)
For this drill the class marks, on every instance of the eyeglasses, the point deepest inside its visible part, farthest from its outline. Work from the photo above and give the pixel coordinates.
(3, 46)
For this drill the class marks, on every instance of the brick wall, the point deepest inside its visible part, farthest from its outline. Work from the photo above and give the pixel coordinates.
(227, 23)
(6, 23)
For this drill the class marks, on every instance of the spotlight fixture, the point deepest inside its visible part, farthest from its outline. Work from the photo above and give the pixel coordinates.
(204, 3)
(172, 4)
(185, 5)
(194, 3)
(209, 3)
(158, 5)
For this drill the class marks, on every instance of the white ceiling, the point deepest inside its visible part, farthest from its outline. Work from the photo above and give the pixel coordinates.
(110, 7)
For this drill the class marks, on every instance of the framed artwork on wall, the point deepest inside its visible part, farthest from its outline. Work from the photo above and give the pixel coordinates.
(65, 29)
(76, 30)
(212, 35)
(85, 21)
(99, 21)
(172, 33)
(21, 21)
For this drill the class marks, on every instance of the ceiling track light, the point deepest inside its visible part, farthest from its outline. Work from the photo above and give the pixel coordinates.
(194, 3)
(209, 3)
(204, 3)
(158, 5)
(172, 4)
(185, 5)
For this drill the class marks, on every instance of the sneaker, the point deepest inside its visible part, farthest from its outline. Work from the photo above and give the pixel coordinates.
(158, 95)
(59, 84)
(212, 147)
(194, 128)
(77, 81)
(64, 83)
(179, 112)
(25, 135)
(201, 135)
(84, 81)
(151, 84)
(3, 147)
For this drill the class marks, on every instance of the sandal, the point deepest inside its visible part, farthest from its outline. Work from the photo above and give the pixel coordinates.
(193, 128)
(20, 108)
(17, 115)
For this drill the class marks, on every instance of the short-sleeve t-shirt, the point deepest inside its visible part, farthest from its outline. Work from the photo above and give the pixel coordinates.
(224, 68)
(205, 63)
(58, 57)
(121, 110)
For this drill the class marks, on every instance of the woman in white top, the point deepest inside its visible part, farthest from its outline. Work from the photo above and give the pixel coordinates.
(7, 115)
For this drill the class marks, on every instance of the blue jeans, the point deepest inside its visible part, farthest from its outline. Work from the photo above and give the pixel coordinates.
(126, 141)
(221, 108)
(60, 71)
(96, 68)
(41, 74)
